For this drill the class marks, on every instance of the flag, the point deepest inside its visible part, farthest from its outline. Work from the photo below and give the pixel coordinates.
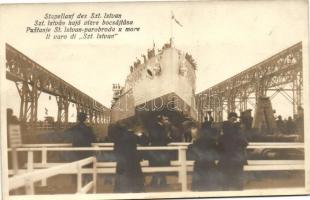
(176, 21)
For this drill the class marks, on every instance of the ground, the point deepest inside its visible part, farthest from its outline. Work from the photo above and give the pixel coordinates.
(65, 184)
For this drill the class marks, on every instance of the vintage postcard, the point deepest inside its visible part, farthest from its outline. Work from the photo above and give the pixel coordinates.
(141, 100)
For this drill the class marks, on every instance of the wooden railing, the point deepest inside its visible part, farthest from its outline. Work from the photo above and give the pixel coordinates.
(252, 145)
(181, 165)
(29, 178)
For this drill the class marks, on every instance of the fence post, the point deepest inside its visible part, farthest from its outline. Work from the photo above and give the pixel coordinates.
(94, 175)
(30, 161)
(29, 186)
(183, 168)
(179, 164)
(44, 162)
(79, 177)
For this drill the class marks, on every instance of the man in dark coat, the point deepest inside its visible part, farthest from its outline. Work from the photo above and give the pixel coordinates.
(129, 176)
(290, 126)
(280, 125)
(203, 151)
(159, 137)
(174, 133)
(81, 135)
(187, 126)
(232, 148)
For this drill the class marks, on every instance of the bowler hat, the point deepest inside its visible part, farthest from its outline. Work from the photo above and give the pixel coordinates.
(232, 114)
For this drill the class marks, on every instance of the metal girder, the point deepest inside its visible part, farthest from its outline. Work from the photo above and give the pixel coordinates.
(31, 79)
(29, 96)
(281, 69)
(63, 110)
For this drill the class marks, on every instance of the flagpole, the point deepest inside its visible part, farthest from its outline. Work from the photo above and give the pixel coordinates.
(173, 19)
(171, 25)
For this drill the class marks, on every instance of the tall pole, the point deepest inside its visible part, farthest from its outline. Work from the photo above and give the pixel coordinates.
(171, 25)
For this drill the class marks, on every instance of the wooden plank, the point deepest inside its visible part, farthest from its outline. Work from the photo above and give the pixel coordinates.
(276, 162)
(273, 167)
(276, 147)
(275, 143)
(172, 146)
(145, 163)
(293, 144)
(266, 168)
(97, 148)
(112, 170)
(19, 180)
(46, 145)
(256, 162)
(110, 144)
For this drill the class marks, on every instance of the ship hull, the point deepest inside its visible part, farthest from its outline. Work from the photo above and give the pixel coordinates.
(145, 114)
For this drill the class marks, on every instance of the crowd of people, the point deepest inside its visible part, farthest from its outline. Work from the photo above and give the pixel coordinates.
(219, 153)
(218, 158)
(289, 126)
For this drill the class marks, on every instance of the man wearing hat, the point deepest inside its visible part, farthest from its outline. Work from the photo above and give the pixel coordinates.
(86, 133)
(81, 135)
(232, 146)
(159, 137)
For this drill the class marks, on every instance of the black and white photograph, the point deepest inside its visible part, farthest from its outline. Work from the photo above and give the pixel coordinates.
(150, 100)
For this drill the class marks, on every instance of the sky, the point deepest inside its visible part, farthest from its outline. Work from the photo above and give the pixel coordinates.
(224, 37)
